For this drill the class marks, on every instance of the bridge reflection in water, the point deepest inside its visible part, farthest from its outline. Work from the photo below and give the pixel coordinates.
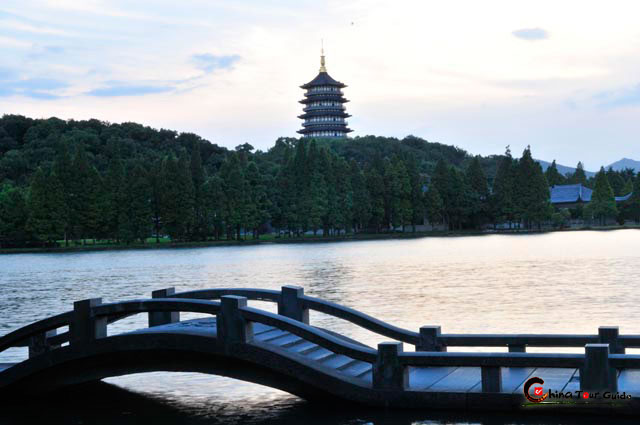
(284, 351)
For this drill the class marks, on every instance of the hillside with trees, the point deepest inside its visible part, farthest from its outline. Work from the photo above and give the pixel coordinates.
(63, 181)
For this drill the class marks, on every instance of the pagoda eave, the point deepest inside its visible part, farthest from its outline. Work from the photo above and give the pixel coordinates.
(324, 114)
(316, 129)
(331, 99)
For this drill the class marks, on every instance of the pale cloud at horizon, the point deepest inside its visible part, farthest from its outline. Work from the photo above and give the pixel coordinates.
(561, 77)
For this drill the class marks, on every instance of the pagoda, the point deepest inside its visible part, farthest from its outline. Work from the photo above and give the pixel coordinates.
(324, 112)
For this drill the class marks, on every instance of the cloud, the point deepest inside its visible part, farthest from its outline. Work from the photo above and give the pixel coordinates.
(209, 63)
(619, 98)
(531, 34)
(36, 88)
(128, 90)
(13, 42)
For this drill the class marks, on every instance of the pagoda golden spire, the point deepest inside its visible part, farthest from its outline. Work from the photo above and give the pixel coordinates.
(322, 67)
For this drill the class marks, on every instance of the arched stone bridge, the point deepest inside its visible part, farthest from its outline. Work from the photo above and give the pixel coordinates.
(284, 351)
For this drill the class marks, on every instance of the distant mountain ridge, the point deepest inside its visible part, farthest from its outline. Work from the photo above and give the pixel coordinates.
(616, 166)
(625, 163)
(562, 169)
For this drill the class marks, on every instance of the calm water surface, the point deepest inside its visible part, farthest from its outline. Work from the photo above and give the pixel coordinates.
(552, 283)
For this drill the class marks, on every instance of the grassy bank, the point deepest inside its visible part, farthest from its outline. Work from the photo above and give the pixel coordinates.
(166, 243)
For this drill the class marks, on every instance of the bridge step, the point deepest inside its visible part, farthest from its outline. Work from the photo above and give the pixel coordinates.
(336, 361)
(283, 340)
(269, 335)
(310, 349)
(320, 354)
(259, 329)
(302, 346)
(356, 368)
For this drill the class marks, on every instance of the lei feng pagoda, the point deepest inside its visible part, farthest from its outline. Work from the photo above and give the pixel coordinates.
(324, 112)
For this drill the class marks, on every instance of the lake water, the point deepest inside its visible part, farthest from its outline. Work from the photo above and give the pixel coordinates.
(569, 282)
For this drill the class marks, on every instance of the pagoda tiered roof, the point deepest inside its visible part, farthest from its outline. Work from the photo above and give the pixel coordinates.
(323, 79)
(324, 127)
(324, 114)
(317, 97)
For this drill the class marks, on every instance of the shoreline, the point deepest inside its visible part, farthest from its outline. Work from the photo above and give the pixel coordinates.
(310, 239)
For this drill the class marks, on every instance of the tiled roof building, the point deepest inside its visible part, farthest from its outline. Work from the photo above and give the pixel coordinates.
(572, 194)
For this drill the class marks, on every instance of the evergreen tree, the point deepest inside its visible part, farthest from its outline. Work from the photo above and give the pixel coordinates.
(215, 205)
(628, 187)
(331, 216)
(283, 209)
(361, 198)
(478, 193)
(343, 194)
(63, 169)
(177, 198)
(114, 201)
(442, 182)
(234, 188)
(553, 176)
(616, 181)
(302, 186)
(603, 203)
(81, 192)
(258, 202)
(434, 206)
(13, 216)
(402, 214)
(633, 203)
(579, 176)
(199, 228)
(136, 220)
(502, 199)
(318, 196)
(46, 205)
(457, 204)
(531, 191)
(156, 190)
(375, 188)
(416, 197)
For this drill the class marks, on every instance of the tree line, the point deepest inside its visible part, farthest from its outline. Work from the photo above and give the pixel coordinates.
(64, 181)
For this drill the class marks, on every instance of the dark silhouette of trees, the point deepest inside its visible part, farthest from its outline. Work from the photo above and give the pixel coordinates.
(63, 181)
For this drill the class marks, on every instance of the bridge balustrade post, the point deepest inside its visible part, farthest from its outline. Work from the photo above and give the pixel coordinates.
(430, 339)
(84, 326)
(491, 379)
(597, 374)
(609, 335)
(231, 326)
(388, 372)
(38, 344)
(157, 318)
(517, 348)
(291, 304)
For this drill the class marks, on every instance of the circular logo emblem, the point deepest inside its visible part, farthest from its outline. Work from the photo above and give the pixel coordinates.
(538, 392)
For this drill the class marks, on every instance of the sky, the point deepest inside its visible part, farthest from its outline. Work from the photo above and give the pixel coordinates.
(562, 77)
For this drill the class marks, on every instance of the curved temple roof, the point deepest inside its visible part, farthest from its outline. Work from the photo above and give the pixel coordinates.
(570, 193)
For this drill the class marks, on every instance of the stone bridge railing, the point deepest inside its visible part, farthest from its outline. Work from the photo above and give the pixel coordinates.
(89, 319)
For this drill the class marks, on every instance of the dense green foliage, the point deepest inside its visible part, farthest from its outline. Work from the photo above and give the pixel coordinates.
(87, 180)
(603, 203)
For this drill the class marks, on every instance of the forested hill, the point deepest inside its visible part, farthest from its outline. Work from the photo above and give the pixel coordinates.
(26, 144)
(121, 183)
